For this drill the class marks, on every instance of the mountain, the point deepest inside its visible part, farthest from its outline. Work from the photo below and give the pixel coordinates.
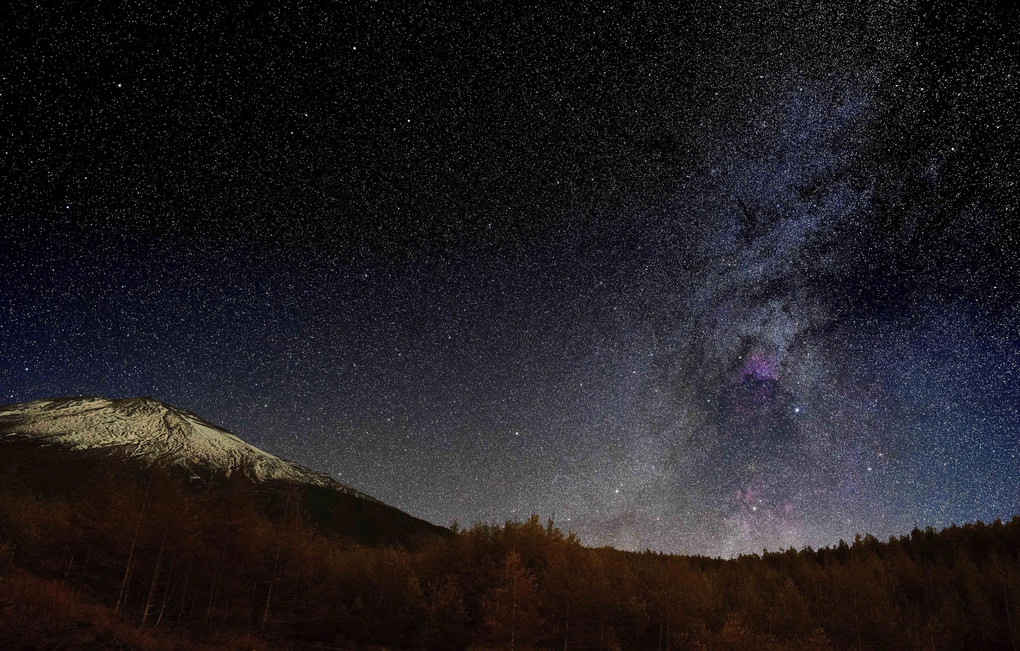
(54, 446)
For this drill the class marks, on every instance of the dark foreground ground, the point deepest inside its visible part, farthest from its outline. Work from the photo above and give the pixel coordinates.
(133, 563)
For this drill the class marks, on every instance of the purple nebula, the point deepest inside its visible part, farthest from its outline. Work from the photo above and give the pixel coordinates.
(760, 367)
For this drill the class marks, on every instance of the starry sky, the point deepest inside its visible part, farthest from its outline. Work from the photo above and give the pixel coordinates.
(703, 280)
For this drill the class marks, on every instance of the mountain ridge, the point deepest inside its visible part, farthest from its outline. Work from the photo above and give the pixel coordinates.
(205, 443)
(60, 440)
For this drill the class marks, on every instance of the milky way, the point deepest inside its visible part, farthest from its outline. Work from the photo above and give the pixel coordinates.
(704, 282)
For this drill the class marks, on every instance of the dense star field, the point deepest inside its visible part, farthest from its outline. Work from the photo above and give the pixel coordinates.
(703, 281)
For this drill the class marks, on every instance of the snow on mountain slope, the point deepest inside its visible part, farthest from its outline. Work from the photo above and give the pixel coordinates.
(153, 433)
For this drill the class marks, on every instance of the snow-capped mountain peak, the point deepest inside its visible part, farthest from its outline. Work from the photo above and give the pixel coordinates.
(151, 432)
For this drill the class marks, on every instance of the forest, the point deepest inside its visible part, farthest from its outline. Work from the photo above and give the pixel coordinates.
(145, 561)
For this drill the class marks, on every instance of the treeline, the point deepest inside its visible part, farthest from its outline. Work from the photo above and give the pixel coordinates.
(210, 564)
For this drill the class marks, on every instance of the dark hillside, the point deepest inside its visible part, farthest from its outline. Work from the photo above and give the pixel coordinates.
(161, 563)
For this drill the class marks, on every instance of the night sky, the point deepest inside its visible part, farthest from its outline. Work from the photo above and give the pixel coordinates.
(705, 280)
